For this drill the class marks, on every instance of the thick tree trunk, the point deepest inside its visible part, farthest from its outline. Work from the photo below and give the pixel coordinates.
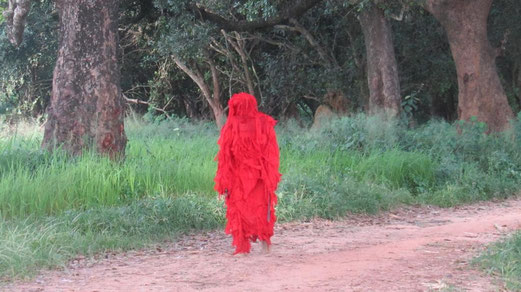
(86, 108)
(480, 92)
(382, 68)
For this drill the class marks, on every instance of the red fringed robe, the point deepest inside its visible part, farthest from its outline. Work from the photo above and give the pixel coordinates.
(248, 172)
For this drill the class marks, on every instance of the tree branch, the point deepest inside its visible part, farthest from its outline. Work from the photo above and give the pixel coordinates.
(238, 45)
(196, 76)
(291, 11)
(309, 37)
(138, 101)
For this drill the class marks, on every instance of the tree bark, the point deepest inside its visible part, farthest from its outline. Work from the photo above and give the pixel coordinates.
(216, 106)
(480, 93)
(382, 68)
(87, 108)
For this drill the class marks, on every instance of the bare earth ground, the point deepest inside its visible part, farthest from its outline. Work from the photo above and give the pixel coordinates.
(410, 249)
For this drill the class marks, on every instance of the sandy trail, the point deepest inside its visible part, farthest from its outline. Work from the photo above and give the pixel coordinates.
(410, 249)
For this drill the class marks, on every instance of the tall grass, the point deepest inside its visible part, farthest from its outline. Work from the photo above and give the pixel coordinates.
(433, 164)
(54, 206)
(33, 182)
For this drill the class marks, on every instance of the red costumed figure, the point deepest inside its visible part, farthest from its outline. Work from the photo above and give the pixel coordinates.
(248, 172)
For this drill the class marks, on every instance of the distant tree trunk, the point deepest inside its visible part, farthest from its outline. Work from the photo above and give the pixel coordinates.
(480, 92)
(214, 102)
(382, 68)
(15, 14)
(86, 108)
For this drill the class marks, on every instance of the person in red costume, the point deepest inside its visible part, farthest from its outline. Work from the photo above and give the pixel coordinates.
(248, 173)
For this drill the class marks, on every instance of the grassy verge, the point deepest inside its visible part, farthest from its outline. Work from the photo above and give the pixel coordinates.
(33, 243)
(54, 207)
(503, 259)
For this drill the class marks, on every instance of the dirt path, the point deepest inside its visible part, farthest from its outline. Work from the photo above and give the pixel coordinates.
(411, 249)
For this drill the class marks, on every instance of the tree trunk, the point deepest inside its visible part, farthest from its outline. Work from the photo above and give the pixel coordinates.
(87, 108)
(480, 93)
(15, 15)
(382, 68)
(215, 104)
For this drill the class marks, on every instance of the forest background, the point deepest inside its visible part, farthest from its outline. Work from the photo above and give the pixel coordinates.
(292, 67)
(427, 96)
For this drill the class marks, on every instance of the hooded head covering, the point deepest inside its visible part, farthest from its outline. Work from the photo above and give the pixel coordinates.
(242, 105)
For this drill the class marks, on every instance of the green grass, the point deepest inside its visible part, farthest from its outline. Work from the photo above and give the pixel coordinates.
(54, 207)
(503, 259)
(37, 183)
(31, 244)
(412, 170)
